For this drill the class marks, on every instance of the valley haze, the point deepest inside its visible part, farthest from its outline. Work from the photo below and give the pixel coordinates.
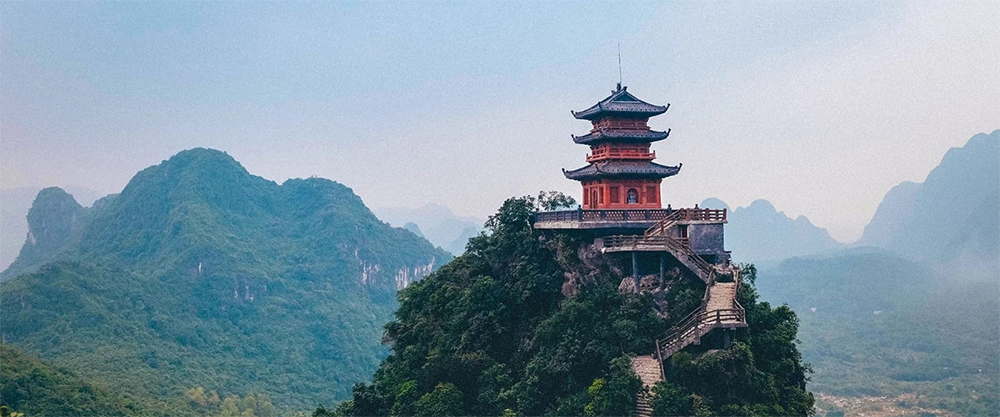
(274, 209)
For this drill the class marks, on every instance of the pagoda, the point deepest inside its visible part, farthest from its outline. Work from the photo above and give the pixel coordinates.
(621, 173)
(622, 211)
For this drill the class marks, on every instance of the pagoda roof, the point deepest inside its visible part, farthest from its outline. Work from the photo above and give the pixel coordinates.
(621, 169)
(620, 103)
(621, 135)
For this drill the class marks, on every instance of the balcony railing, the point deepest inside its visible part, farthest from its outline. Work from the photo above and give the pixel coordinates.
(602, 154)
(579, 215)
(624, 215)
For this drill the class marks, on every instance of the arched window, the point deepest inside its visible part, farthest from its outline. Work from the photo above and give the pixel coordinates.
(632, 197)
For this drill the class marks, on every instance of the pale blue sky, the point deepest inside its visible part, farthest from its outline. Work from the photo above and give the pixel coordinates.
(818, 107)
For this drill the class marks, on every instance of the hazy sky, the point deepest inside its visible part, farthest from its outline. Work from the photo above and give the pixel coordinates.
(817, 107)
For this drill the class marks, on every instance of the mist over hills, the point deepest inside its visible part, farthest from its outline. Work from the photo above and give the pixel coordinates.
(201, 274)
(437, 223)
(760, 233)
(896, 314)
(876, 324)
(952, 215)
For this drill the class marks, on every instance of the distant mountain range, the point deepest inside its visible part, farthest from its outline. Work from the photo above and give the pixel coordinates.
(952, 215)
(760, 233)
(898, 313)
(436, 223)
(199, 274)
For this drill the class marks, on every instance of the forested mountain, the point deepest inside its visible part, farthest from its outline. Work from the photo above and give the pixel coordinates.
(55, 222)
(14, 206)
(528, 322)
(760, 233)
(201, 275)
(952, 214)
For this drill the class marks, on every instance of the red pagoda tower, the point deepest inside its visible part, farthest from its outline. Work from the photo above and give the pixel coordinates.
(621, 173)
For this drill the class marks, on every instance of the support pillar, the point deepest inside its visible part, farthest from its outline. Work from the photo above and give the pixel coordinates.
(663, 267)
(635, 271)
(727, 338)
(667, 367)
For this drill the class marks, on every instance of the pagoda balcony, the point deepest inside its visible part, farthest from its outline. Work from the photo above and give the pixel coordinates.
(606, 153)
(624, 218)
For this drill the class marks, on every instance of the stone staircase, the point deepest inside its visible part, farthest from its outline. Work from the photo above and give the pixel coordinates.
(721, 296)
(648, 370)
(719, 307)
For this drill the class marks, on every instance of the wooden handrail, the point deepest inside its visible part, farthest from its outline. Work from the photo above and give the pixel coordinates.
(700, 319)
(704, 269)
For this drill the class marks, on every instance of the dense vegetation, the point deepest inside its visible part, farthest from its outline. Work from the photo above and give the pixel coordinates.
(201, 275)
(532, 323)
(35, 388)
(877, 325)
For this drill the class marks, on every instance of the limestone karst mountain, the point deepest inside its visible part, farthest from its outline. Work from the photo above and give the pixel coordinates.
(55, 222)
(201, 274)
(952, 214)
(14, 206)
(760, 233)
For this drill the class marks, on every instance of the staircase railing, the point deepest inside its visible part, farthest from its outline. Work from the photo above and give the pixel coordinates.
(702, 268)
(661, 227)
(700, 321)
(696, 214)
(696, 325)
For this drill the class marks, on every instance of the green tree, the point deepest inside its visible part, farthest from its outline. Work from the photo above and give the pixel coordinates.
(553, 200)
(445, 400)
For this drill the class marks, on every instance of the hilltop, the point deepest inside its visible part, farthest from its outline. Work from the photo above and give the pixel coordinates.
(199, 274)
(531, 322)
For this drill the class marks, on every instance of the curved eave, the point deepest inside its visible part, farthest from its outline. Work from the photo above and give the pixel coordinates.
(621, 136)
(616, 110)
(622, 170)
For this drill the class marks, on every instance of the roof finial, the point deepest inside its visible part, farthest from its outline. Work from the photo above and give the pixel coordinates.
(619, 66)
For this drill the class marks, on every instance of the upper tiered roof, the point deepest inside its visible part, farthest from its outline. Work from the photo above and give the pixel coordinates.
(621, 136)
(620, 103)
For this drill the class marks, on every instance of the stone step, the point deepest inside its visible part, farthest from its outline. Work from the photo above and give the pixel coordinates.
(642, 408)
(721, 296)
(647, 368)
